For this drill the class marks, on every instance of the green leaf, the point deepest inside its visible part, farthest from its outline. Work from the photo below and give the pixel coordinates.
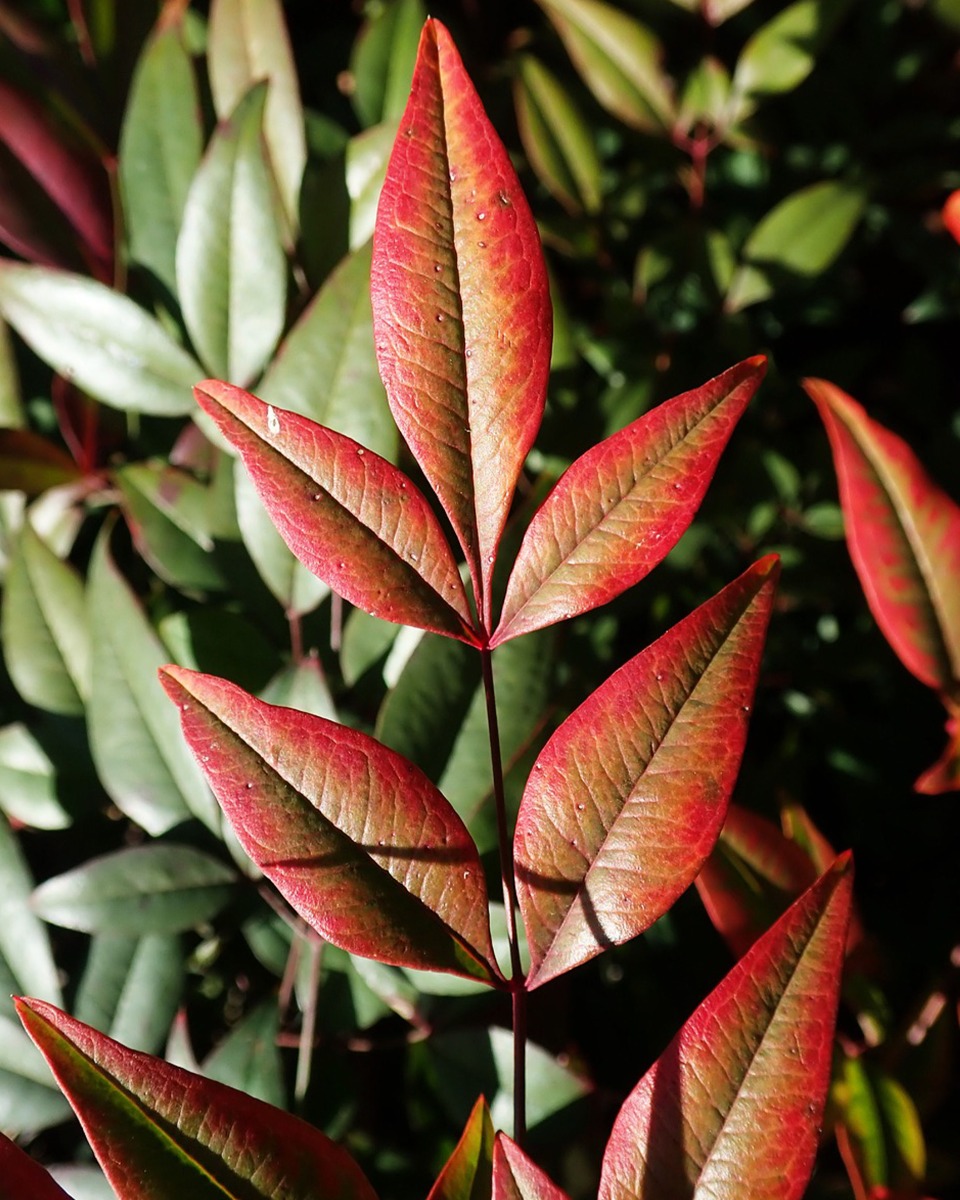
(156, 888)
(11, 403)
(381, 64)
(160, 146)
(100, 340)
(24, 944)
(731, 1110)
(231, 269)
(248, 1057)
(326, 369)
(46, 643)
(161, 1133)
(558, 140)
(131, 987)
(29, 1100)
(618, 58)
(302, 685)
(343, 827)
(367, 156)
(248, 42)
(28, 784)
(134, 737)
(801, 236)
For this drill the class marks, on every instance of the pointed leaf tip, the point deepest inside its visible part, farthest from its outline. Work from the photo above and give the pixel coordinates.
(742, 1086)
(343, 827)
(351, 517)
(462, 316)
(160, 1131)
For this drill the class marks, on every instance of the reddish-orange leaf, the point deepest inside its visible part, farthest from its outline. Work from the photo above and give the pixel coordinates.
(354, 836)
(951, 214)
(466, 1173)
(517, 1177)
(349, 515)
(461, 307)
(162, 1133)
(732, 1109)
(627, 798)
(623, 505)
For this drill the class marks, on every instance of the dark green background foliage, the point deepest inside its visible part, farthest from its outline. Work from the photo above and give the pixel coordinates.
(644, 264)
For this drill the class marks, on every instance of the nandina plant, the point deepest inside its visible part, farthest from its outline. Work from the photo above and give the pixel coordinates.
(623, 804)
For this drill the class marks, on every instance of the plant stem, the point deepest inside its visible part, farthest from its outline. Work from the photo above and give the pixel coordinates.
(505, 842)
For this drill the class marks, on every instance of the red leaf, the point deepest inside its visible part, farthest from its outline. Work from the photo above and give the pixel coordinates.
(356, 838)
(517, 1177)
(951, 215)
(752, 875)
(731, 1110)
(461, 307)
(623, 505)
(904, 538)
(162, 1133)
(627, 798)
(74, 180)
(20, 1176)
(349, 515)
(944, 775)
(466, 1173)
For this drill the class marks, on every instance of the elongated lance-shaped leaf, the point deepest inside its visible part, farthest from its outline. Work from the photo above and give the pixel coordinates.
(628, 797)
(731, 1110)
(466, 1175)
(356, 838)
(461, 305)
(350, 516)
(904, 538)
(623, 505)
(20, 1176)
(517, 1177)
(162, 1133)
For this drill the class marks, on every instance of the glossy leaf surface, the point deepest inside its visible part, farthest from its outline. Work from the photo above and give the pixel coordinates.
(461, 306)
(29, 1098)
(156, 888)
(344, 828)
(248, 43)
(108, 345)
(160, 147)
(466, 1174)
(618, 58)
(162, 1133)
(627, 798)
(21, 1176)
(731, 1110)
(623, 505)
(517, 1177)
(231, 269)
(904, 538)
(350, 516)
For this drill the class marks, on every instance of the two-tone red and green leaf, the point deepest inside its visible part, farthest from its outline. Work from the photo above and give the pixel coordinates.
(462, 317)
(732, 1109)
(517, 1177)
(21, 1176)
(753, 874)
(351, 517)
(466, 1175)
(903, 532)
(623, 505)
(356, 838)
(628, 797)
(904, 538)
(162, 1133)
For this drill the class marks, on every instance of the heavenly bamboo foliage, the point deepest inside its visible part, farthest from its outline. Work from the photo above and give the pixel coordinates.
(628, 797)
(731, 1109)
(517, 1177)
(349, 515)
(343, 827)
(466, 1173)
(161, 1132)
(462, 317)
(21, 1176)
(622, 506)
